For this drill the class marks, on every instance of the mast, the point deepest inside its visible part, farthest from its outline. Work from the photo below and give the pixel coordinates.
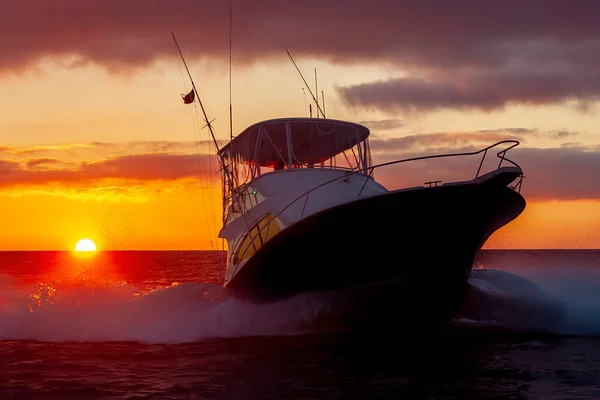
(230, 108)
(306, 84)
(208, 123)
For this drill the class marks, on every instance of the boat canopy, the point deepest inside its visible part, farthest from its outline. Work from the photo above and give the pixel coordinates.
(293, 141)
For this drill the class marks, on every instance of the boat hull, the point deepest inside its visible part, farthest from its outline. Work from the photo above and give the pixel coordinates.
(415, 246)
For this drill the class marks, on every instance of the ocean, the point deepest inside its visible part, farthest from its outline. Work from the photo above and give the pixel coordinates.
(158, 325)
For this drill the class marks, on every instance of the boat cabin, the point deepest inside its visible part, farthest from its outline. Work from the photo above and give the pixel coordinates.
(290, 143)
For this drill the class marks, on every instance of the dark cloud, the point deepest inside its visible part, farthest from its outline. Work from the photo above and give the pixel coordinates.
(566, 173)
(484, 89)
(436, 142)
(457, 54)
(513, 131)
(383, 124)
(413, 32)
(561, 134)
(560, 173)
(557, 134)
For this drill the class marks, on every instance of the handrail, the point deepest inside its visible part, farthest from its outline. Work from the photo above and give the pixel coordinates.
(501, 155)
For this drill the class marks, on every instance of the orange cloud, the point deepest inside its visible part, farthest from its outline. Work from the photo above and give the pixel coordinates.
(28, 150)
(129, 168)
(46, 161)
(568, 172)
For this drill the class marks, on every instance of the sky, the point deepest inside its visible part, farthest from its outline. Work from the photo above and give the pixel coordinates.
(96, 142)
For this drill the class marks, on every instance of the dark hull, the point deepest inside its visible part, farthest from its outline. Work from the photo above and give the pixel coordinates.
(420, 244)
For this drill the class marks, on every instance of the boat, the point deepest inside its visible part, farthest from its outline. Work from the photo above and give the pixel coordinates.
(303, 212)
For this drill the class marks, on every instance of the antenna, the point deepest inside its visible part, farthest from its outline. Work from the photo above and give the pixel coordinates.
(323, 97)
(230, 108)
(317, 92)
(306, 84)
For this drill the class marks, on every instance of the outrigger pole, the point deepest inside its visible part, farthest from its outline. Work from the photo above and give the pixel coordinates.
(228, 174)
(306, 84)
(208, 123)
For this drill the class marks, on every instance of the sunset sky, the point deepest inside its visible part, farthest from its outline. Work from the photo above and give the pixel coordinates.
(96, 142)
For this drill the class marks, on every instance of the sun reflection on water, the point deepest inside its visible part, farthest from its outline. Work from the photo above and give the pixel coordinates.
(75, 281)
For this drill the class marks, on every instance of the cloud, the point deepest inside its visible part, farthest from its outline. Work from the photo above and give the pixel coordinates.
(29, 150)
(571, 171)
(37, 162)
(514, 131)
(463, 140)
(561, 134)
(564, 173)
(560, 173)
(7, 166)
(435, 142)
(96, 150)
(463, 32)
(482, 89)
(383, 124)
(129, 168)
(463, 54)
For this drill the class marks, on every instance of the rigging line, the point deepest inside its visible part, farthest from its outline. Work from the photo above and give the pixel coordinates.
(223, 261)
(229, 180)
(209, 185)
(306, 84)
(204, 181)
(196, 130)
(298, 77)
(202, 167)
(196, 137)
(207, 200)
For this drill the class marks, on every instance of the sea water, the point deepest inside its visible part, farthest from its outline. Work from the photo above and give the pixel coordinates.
(159, 325)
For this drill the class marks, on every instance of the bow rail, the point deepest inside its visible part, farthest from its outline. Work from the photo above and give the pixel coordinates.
(305, 196)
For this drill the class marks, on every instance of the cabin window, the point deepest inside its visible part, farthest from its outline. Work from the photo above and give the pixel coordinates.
(259, 234)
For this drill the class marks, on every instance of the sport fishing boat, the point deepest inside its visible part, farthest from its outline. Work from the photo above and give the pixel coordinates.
(303, 212)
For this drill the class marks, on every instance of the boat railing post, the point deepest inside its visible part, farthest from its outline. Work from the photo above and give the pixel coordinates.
(481, 163)
(365, 182)
(501, 157)
(305, 201)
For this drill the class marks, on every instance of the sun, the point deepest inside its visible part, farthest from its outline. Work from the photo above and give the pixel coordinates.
(85, 245)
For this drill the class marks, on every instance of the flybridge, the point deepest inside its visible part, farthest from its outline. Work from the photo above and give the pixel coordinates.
(300, 142)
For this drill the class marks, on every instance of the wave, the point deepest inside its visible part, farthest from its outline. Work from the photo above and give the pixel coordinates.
(561, 301)
(565, 302)
(180, 313)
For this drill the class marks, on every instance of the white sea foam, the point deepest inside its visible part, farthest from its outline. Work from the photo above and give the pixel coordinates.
(181, 313)
(558, 300)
